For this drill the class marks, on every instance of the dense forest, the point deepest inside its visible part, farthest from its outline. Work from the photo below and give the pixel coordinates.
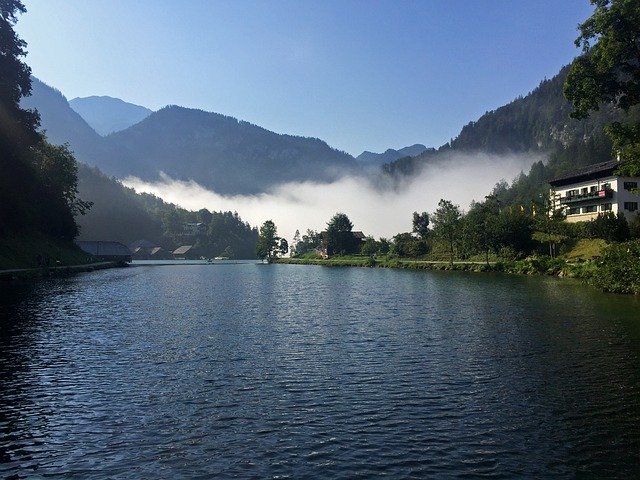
(119, 213)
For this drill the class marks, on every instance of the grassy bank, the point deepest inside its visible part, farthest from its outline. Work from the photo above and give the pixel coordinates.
(24, 252)
(389, 262)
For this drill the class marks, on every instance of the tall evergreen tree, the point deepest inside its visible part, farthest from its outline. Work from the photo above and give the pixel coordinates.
(38, 181)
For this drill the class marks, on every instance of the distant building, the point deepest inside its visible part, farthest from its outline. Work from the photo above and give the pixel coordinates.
(185, 252)
(108, 251)
(584, 193)
(146, 250)
(193, 229)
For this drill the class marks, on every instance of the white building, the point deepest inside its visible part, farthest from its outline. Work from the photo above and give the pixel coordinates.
(584, 193)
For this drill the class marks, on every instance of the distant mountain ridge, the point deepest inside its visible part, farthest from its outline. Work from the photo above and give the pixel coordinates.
(390, 155)
(107, 114)
(217, 151)
(62, 124)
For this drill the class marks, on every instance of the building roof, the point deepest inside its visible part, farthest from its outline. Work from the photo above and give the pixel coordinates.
(182, 250)
(591, 172)
(99, 248)
(142, 244)
(359, 235)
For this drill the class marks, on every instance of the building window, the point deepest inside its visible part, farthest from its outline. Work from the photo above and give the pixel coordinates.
(631, 206)
(572, 193)
(592, 189)
(585, 190)
(573, 211)
(606, 207)
(606, 186)
(590, 209)
(630, 185)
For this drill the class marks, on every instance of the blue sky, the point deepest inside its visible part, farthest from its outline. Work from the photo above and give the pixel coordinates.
(361, 75)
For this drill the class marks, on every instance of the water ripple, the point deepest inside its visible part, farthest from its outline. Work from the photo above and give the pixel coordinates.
(289, 372)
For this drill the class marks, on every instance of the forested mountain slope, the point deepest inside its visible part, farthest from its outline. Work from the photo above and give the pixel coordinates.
(538, 122)
(61, 123)
(217, 151)
(119, 213)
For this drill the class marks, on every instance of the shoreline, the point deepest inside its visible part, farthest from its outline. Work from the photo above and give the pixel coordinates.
(529, 266)
(24, 274)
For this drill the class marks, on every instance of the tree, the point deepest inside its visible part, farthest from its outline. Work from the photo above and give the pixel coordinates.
(269, 245)
(339, 238)
(446, 224)
(480, 226)
(38, 184)
(369, 247)
(421, 224)
(608, 71)
(295, 242)
(610, 227)
(283, 248)
(18, 127)
(308, 243)
(406, 245)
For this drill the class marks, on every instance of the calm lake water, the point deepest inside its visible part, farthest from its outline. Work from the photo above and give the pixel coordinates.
(255, 371)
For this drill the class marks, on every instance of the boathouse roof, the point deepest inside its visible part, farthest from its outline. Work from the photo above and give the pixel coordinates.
(182, 250)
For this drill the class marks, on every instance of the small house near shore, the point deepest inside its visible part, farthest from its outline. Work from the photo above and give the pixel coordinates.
(107, 251)
(584, 193)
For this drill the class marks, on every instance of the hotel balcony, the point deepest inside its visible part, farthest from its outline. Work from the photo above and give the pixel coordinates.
(584, 197)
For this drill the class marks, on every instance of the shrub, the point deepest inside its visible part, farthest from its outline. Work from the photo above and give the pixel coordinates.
(619, 268)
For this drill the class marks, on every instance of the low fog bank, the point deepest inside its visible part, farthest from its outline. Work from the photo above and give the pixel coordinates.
(375, 211)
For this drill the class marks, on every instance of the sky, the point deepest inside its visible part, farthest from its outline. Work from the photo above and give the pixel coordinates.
(361, 75)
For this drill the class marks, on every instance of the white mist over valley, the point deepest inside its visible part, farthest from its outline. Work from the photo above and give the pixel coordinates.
(462, 178)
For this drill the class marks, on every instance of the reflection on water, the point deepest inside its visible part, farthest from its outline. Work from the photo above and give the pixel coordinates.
(263, 371)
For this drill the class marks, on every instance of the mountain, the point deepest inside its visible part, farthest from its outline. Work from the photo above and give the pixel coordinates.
(217, 151)
(538, 122)
(107, 114)
(62, 124)
(370, 158)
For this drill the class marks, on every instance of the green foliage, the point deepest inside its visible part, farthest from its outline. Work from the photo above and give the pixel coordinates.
(479, 228)
(384, 246)
(406, 245)
(421, 224)
(634, 226)
(607, 72)
(23, 252)
(340, 239)
(269, 245)
(370, 247)
(38, 184)
(619, 269)
(309, 242)
(609, 227)
(447, 223)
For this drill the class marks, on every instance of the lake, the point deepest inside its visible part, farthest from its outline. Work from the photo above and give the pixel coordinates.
(284, 371)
